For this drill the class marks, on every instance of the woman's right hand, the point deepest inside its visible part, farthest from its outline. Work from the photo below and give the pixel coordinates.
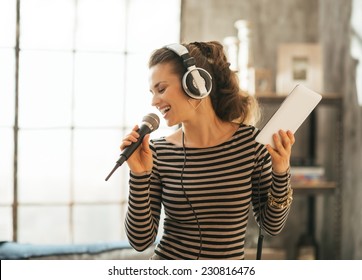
(141, 159)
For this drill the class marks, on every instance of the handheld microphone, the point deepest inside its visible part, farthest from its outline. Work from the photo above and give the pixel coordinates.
(150, 123)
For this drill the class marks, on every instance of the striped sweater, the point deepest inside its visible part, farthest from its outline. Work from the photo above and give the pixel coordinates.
(206, 194)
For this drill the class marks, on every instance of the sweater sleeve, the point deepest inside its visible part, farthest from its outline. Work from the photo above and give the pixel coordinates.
(144, 207)
(264, 182)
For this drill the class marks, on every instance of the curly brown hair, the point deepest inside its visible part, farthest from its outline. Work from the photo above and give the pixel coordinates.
(229, 102)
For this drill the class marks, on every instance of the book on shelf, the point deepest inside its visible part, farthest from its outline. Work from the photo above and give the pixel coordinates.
(307, 175)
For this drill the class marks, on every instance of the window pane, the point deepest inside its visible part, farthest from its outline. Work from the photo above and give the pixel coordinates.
(6, 165)
(97, 223)
(47, 24)
(6, 224)
(7, 90)
(138, 95)
(100, 25)
(156, 22)
(44, 165)
(44, 224)
(83, 84)
(7, 23)
(99, 89)
(95, 155)
(45, 89)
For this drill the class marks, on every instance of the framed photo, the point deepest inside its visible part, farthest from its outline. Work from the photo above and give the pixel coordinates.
(263, 81)
(299, 64)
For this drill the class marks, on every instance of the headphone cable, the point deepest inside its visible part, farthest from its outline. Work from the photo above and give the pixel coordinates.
(261, 236)
(187, 198)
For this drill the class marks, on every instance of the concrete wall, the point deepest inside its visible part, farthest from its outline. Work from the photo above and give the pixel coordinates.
(338, 217)
(272, 22)
(341, 77)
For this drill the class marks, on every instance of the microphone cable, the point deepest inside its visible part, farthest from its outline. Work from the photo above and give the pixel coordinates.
(187, 198)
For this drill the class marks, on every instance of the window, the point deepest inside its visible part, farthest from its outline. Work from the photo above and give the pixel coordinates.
(356, 45)
(82, 84)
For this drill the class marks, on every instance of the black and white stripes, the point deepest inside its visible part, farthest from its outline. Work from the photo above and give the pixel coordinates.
(220, 183)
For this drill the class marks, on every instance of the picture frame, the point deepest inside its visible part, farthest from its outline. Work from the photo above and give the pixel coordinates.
(299, 63)
(263, 82)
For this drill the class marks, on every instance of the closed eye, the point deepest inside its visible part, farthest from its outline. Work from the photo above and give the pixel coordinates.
(159, 88)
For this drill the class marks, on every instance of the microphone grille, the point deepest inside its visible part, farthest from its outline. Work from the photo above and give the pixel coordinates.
(153, 120)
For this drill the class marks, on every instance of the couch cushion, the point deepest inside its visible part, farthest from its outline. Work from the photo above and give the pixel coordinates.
(107, 250)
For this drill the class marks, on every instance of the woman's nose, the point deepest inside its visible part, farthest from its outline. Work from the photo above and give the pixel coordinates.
(155, 100)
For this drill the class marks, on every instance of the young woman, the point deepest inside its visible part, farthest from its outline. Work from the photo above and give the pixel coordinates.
(207, 173)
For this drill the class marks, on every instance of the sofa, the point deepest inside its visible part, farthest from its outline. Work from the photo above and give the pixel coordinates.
(98, 251)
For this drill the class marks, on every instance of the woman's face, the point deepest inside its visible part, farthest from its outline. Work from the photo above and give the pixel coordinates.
(168, 95)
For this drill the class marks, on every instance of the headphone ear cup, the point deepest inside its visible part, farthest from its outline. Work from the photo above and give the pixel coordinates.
(190, 87)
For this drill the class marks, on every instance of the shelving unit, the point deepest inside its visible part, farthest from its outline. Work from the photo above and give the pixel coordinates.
(330, 186)
(314, 189)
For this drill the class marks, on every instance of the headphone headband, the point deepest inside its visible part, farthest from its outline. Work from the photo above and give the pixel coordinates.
(178, 49)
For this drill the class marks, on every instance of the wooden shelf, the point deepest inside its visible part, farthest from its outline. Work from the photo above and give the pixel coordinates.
(314, 188)
(273, 98)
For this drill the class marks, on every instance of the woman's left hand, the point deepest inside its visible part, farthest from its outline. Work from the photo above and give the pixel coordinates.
(281, 154)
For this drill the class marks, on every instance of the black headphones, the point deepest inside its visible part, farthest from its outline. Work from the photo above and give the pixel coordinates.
(196, 82)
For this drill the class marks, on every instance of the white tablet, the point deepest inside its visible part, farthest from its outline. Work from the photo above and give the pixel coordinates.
(291, 114)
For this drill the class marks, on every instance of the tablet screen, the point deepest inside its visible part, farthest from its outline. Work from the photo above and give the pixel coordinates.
(295, 108)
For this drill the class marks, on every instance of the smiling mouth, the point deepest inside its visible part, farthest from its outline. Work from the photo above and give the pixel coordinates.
(164, 110)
